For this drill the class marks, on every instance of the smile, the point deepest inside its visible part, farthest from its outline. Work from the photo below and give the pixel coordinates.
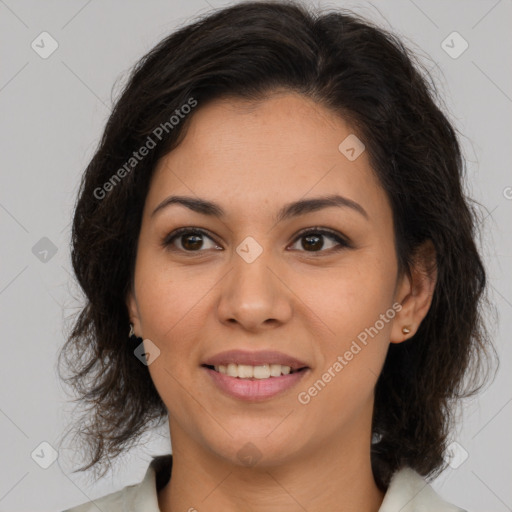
(254, 376)
(255, 389)
(245, 371)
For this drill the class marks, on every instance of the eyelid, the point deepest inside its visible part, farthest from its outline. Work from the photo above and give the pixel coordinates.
(342, 241)
(170, 237)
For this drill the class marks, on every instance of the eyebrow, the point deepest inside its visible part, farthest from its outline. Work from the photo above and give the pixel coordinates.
(288, 211)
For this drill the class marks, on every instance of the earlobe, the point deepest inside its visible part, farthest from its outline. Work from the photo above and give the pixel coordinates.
(133, 311)
(403, 325)
(415, 293)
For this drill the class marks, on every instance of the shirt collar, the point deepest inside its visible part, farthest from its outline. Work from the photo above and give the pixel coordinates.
(409, 492)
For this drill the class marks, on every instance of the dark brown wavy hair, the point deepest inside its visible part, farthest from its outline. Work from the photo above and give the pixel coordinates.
(367, 76)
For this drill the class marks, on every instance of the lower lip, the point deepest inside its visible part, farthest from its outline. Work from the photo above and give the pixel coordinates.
(255, 389)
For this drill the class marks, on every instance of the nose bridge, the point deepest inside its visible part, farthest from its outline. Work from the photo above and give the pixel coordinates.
(251, 275)
(251, 293)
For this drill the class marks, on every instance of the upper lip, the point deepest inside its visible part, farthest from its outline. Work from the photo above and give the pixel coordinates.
(255, 359)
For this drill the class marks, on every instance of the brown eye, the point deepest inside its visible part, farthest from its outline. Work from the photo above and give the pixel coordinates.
(313, 240)
(191, 240)
(187, 240)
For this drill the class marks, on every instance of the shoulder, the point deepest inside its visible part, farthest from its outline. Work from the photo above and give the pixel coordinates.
(409, 492)
(131, 497)
(140, 496)
(113, 502)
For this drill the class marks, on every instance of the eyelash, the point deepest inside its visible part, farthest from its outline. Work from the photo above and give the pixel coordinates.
(343, 243)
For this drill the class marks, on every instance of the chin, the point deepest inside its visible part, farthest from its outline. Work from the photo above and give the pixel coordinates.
(258, 448)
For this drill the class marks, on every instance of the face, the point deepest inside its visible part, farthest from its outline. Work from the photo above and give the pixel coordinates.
(316, 289)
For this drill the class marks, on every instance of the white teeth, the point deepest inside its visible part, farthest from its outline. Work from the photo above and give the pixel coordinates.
(262, 372)
(275, 370)
(245, 371)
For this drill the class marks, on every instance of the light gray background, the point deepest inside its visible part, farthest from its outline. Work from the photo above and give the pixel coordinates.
(52, 115)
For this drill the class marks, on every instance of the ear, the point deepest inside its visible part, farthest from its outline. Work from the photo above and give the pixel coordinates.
(415, 290)
(133, 311)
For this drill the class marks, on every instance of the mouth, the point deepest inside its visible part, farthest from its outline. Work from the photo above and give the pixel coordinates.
(258, 372)
(254, 376)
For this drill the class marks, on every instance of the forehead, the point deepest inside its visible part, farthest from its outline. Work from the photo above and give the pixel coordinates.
(246, 153)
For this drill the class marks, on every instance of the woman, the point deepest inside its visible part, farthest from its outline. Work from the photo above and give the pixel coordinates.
(275, 216)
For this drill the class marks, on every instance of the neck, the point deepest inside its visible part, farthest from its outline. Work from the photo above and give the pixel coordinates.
(319, 480)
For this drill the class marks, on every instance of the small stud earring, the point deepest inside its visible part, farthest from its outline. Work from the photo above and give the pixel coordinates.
(406, 330)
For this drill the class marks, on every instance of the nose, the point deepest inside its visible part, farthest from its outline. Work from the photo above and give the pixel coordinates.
(254, 294)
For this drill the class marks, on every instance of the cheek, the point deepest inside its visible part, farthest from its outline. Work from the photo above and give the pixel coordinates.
(358, 311)
(352, 296)
(355, 303)
(168, 295)
(173, 301)
(170, 306)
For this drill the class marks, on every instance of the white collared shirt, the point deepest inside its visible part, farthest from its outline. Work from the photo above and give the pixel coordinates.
(407, 492)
